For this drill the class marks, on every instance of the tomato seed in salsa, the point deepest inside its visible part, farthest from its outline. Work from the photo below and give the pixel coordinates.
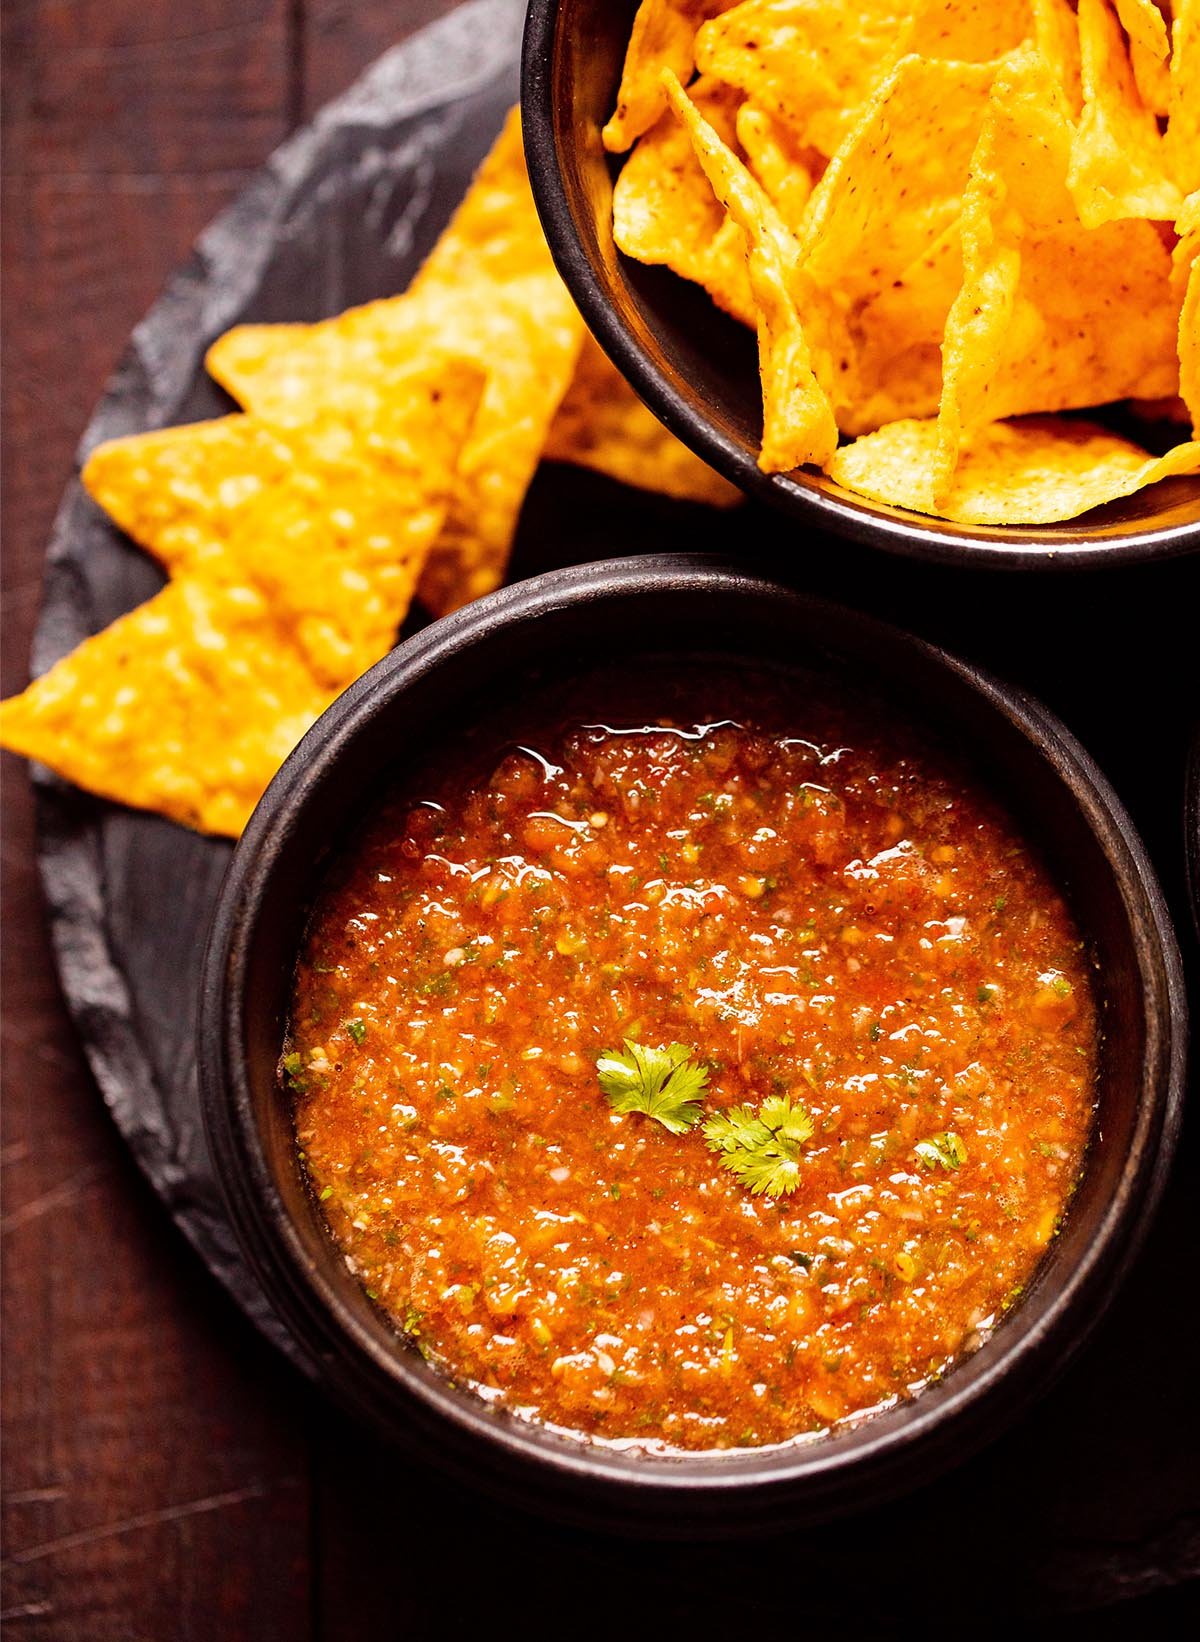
(812, 916)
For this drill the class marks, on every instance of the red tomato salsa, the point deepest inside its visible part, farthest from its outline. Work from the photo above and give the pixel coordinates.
(861, 1000)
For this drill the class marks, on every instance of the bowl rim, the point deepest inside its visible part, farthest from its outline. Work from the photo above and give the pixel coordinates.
(1040, 1334)
(897, 531)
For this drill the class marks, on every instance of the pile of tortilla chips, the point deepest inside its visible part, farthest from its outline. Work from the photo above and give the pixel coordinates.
(381, 455)
(939, 215)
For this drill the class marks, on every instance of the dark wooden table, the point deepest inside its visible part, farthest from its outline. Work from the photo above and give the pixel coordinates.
(166, 1475)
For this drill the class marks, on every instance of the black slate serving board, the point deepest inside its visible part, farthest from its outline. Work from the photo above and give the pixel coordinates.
(1096, 1496)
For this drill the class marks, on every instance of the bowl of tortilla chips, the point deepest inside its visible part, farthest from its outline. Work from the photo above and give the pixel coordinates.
(924, 274)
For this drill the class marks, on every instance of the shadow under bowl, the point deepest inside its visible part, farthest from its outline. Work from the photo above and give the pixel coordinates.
(696, 368)
(420, 699)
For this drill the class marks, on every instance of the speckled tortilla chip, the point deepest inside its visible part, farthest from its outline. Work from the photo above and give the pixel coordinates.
(294, 570)
(898, 182)
(333, 518)
(798, 422)
(785, 170)
(488, 293)
(665, 212)
(814, 65)
(971, 31)
(1152, 76)
(805, 62)
(895, 341)
(882, 241)
(186, 706)
(1143, 23)
(1056, 33)
(1119, 162)
(1051, 316)
(1183, 112)
(1032, 472)
(663, 37)
(181, 491)
(603, 425)
(1186, 279)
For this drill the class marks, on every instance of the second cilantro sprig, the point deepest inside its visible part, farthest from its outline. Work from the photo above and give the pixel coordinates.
(760, 1148)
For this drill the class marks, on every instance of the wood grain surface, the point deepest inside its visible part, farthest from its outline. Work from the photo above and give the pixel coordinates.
(166, 1475)
(161, 1479)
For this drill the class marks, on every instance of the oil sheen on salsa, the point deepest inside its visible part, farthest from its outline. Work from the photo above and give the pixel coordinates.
(816, 904)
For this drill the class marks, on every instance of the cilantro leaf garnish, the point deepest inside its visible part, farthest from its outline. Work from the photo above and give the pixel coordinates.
(946, 1149)
(762, 1148)
(663, 1083)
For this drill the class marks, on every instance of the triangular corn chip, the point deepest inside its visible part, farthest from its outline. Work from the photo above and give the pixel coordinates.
(898, 182)
(882, 239)
(186, 706)
(1118, 157)
(663, 37)
(809, 64)
(603, 425)
(294, 571)
(180, 492)
(1056, 32)
(488, 293)
(1183, 110)
(332, 518)
(1152, 76)
(1032, 472)
(1186, 278)
(664, 211)
(1143, 23)
(814, 65)
(798, 423)
(1051, 316)
(893, 350)
(786, 171)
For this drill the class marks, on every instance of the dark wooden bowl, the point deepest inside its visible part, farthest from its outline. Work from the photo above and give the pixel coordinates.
(421, 697)
(696, 368)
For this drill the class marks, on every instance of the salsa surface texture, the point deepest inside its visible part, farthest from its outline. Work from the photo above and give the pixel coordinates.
(813, 902)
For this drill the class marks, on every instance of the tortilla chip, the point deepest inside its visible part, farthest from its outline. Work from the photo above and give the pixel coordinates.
(895, 341)
(603, 425)
(1056, 32)
(340, 547)
(787, 172)
(1183, 111)
(663, 37)
(186, 706)
(1152, 76)
(898, 182)
(1143, 23)
(798, 423)
(1185, 276)
(1033, 472)
(973, 31)
(883, 243)
(814, 66)
(1119, 163)
(806, 63)
(288, 589)
(331, 519)
(181, 491)
(1051, 316)
(664, 211)
(488, 293)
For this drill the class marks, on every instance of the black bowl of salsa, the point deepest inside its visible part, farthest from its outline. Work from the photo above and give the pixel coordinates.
(695, 366)
(559, 1049)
